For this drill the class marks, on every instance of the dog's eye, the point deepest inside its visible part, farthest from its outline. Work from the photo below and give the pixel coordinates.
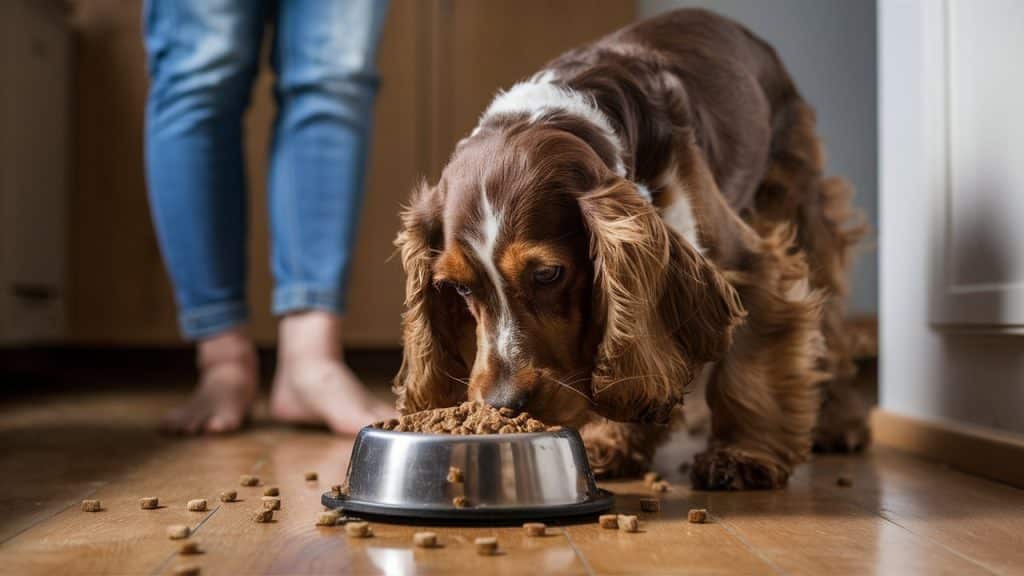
(462, 289)
(547, 274)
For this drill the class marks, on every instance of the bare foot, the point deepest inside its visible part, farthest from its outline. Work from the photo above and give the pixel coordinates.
(228, 382)
(313, 385)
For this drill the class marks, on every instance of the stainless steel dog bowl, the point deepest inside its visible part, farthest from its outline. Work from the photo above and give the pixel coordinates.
(505, 477)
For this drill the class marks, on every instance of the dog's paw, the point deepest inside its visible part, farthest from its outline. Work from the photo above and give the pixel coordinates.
(724, 468)
(611, 460)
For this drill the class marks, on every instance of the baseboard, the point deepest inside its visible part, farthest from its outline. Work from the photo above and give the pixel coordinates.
(975, 450)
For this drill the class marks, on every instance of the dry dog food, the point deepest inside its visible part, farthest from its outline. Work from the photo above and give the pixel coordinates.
(188, 547)
(629, 523)
(844, 481)
(697, 516)
(328, 518)
(178, 531)
(466, 418)
(358, 530)
(228, 496)
(424, 539)
(535, 529)
(337, 490)
(486, 546)
(187, 570)
(650, 505)
(248, 480)
(197, 505)
(310, 476)
(608, 521)
(660, 486)
(651, 478)
(263, 516)
(149, 503)
(271, 491)
(271, 502)
(454, 475)
(91, 506)
(460, 502)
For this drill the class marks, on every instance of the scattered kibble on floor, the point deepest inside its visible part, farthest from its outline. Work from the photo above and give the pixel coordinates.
(486, 546)
(178, 531)
(358, 530)
(248, 480)
(697, 516)
(229, 496)
(328, 518)
(651, 478)
(535, 529)
(844, 481)
(337, 490)
(650, 505)
(188, 548)
(425, 539)
(271, 491)
(460, 502)
(187, 570)
(271, 502)
(660, 486)
(263, 516)
(629, 523)
(454, 475)
(91, 506)
(310, 476)
(197, 505)
(608, 521)
(149, 503)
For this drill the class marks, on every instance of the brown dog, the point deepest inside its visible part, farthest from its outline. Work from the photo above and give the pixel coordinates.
(645, 212)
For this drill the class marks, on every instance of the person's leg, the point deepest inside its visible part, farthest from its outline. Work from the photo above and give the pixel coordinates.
(324, 54)
(202, 57)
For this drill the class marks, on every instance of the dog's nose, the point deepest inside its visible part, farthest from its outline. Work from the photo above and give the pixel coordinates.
(508, 397)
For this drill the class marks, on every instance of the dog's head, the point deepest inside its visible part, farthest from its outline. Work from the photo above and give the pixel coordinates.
(540, 280)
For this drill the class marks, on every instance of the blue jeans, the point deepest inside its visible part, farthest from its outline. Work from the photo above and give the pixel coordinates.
(203, 56)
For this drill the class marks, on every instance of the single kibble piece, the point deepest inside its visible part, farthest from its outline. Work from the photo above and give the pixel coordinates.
(424, 539)
(629, 523)
(228, 496)
(263, 516)
(271, 491)
(337, 490)
(697, 516)
(198, 505)
(844, 481)
(188, 547)
(271, 502)
(454, 475)
(149, 503)
(91, 506)
(660, 486)
(608, 521)
(535, 529)
(247, 480)
(358, 530)
(189, 570)
(178, 531)
(651, 478)
(328, 518)
(310, 476)
(460, 502)
(650, 505)
(486, 546)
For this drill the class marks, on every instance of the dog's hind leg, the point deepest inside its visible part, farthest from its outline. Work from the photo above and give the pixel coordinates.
(764, 395)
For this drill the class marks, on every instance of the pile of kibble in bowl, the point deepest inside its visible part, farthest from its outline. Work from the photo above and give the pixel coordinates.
(467, 418)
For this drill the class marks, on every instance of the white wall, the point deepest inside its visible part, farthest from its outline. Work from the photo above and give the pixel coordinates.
(928, 370)
(828, 46)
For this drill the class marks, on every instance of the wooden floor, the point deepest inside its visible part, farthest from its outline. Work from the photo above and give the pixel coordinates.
(901, 516)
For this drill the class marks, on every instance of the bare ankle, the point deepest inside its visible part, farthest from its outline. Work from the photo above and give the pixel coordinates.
(310, 333)
(231, 346)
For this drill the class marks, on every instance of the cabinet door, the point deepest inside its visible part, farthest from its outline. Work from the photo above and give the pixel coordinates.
(980, 251)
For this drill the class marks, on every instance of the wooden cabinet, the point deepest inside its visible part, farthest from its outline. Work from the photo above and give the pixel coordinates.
(441, 61)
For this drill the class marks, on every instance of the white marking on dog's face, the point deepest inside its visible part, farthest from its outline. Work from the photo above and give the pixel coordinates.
(484, 244)
(679, 215)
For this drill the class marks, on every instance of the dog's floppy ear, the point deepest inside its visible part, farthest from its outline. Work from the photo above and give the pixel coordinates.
(666, 310)
(435, 316)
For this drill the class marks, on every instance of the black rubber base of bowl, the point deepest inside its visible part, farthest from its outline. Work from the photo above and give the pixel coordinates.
(567, 514)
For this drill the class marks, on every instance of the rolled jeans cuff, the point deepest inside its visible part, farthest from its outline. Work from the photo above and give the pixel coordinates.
(305, 297)
(199, 323)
